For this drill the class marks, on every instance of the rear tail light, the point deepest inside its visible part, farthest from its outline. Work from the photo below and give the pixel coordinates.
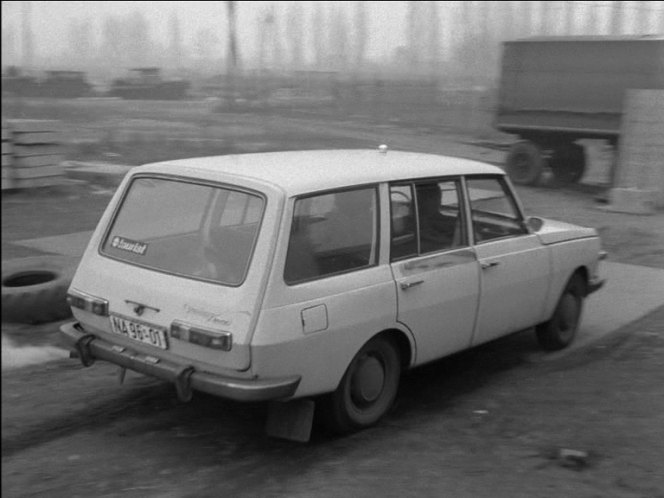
(209, 338)
(83, 301)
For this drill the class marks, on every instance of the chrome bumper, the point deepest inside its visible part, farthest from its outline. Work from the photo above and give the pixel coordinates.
(185, 377)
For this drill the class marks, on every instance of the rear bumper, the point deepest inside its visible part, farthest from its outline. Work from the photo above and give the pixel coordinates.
(185, 377)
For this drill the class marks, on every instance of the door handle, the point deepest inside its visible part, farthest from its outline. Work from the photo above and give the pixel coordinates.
(412, 283)
(486, 265)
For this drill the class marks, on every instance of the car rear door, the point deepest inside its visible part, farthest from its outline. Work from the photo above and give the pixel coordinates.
(437, 278)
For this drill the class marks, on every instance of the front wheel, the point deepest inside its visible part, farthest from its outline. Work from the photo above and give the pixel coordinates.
(367, 389)
(559, 332)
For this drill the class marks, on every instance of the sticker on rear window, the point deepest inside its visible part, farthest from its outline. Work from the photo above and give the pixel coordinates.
(129, 245)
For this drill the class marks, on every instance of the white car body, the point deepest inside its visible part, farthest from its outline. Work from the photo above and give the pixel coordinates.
(296, 340)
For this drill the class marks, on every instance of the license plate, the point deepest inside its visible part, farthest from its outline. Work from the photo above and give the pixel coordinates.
(139, 331)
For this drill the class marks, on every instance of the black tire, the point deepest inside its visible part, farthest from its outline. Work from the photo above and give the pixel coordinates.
(34, 290)
(559, 331)
(568, 163)
(524, 163)
(361, 402)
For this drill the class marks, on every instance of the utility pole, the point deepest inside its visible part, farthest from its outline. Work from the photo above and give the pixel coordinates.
(232, 58)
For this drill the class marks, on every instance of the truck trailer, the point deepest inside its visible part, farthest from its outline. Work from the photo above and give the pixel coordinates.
(555, 91)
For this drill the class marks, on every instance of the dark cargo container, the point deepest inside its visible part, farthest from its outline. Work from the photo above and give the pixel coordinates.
(557, 90)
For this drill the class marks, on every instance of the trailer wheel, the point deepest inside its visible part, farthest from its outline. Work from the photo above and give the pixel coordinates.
(525, 163)
(568, 163)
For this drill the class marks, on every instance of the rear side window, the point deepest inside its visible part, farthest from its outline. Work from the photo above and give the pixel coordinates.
(426, 217)
(332, 233)
(188, 229)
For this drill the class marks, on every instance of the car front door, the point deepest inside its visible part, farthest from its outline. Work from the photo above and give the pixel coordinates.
(434, 267)
(514, 265)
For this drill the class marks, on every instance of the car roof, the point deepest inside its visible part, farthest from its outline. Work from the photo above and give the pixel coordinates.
(299, 172)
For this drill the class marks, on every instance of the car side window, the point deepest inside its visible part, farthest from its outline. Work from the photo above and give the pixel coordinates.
(426, 217)
(403, 242)
(332, 233)
(439, 216)
(493, 210)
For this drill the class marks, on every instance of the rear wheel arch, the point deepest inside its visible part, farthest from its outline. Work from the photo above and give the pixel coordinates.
(404, 345)
(369, 385)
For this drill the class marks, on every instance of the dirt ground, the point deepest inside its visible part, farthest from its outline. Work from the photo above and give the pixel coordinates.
(495, 421)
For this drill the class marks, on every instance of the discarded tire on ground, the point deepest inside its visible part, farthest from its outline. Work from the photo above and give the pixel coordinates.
(34, 290)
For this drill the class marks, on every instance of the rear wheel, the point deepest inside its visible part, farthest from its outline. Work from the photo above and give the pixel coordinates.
(367, 389)
(525, 163)
(559, 332)
(568, 163)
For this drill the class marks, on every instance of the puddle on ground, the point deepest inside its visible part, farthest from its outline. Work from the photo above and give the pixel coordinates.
(14, 356)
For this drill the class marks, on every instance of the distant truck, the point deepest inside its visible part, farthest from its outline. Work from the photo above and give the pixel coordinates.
(555, 91)
(146, 83)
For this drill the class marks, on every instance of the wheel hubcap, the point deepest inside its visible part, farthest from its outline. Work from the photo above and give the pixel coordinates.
(368, 380)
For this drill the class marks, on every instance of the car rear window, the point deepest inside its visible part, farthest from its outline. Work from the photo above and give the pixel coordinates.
(189, 229)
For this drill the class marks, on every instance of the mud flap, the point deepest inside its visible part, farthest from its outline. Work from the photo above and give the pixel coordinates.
(183, 384)
(83, 350)
(290, 420)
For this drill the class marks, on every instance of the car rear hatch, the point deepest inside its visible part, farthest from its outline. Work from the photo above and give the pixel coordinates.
(170, 271)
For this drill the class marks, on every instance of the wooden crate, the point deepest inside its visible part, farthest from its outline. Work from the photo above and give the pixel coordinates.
(37, 153)
(7, 165)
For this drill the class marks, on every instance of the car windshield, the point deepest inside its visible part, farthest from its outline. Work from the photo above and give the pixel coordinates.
(189, 229)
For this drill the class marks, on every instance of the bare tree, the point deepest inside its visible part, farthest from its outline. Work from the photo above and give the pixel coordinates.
(643, 14)
(617, 18)
(111, 46)
(175, 43)
(295, 33)
(546, 15)
(591, 20)
(434, 38)
(507, 21)
(9, 45)
(27, 47)
(338, 40)
(569, 17)
(318, 32)
(79, 34)
(361, 33)
(233, 57)
(526, 18)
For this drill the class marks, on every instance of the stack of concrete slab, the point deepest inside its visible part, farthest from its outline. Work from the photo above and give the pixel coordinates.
(639, 178)
(7, 170)
(37, 153)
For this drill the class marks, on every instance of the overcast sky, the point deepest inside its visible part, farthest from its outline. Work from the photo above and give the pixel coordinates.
(50, 19)
(387, 20)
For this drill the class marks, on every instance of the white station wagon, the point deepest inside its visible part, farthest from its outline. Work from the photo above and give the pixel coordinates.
(319, 275)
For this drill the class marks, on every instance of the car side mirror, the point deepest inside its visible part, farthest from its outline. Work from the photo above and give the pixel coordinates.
(534, 223)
